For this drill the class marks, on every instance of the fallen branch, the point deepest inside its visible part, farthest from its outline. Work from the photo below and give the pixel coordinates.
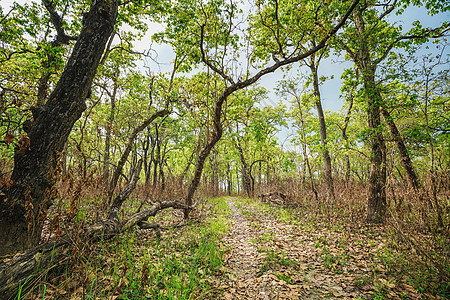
(20, 271)
(274, 197)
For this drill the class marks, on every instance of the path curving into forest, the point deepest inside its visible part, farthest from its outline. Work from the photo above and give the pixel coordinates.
(270, 259)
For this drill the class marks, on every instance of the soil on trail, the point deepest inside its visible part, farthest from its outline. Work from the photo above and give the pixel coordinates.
(270, 259)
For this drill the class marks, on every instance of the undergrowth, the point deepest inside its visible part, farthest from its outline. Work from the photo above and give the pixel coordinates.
(186, 263)
(408, 255)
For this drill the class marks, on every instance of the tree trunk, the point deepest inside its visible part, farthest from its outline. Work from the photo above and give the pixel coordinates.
(234, 86)
(215, 137)
(229, 179)
(345, 137)
(376, 209)
(216, 173)
(21, 271)
(252, 178)
(404, 155)
(145, 147)
(156, 156)
(24, 208)
(246, 181)
(323, 129)
(162, 176)
(152, 159)
(377, 177)
(305, 153)
(109, 124)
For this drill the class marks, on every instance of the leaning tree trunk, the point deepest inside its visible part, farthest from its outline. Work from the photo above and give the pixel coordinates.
(215, 137)
(23, 270)
(404, 155)
(234, 86)
(24, 206)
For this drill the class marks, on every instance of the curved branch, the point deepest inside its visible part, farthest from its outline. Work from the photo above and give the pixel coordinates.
(57, 21)
(430, 33)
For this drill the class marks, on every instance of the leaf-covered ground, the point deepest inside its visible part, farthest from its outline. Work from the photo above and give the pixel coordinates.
(236, 248)
(278, 253)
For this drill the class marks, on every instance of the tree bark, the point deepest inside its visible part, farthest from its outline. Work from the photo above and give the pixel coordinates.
(305, 152)
(345, 137)
(215, 137)
(49, 65)
(22, 270)
(235, 86)
(377, 178)
(109, 124)
(323, 128)
(246, 181)
(23, 210)
(376, 208)
(404, 155)
(250, 173)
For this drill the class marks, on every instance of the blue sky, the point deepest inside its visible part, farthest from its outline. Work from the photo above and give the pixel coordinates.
(331, 66)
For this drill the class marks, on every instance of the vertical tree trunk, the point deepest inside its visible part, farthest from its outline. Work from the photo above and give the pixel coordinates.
(109, 124)
(246, 181)
(229, 179)
(377, 178)
(156, 157)
(345, 137)
(162, 176)
(376, 209)
(323, 130)
(23, 210)
(305, 153)
(145, 147)
(152, 158)
(216, 172)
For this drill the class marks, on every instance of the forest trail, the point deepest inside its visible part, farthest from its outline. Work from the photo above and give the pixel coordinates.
(270, 259)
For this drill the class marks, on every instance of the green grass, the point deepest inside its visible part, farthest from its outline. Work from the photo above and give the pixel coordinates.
(183, 264)
(334, 262)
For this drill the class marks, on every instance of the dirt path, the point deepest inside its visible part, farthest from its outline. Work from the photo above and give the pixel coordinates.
(244, 260)
(273, 260)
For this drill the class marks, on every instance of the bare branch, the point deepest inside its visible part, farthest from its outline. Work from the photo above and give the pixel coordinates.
(208, 62)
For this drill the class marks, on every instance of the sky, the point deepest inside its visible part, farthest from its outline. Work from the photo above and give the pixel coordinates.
(331, 66)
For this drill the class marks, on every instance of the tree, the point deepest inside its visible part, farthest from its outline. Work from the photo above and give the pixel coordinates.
(251, 130)
(368, 43)
(25, 202)
(313, 65)
(301, 106)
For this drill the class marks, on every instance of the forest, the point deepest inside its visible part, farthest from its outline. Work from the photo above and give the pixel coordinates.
(184, 149)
